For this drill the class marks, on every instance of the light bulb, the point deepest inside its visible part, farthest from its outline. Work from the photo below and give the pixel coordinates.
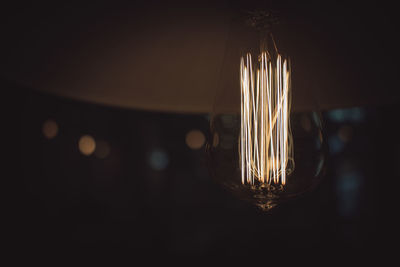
(261, 147)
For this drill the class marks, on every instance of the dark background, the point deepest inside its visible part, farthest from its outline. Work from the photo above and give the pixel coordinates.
(60, 202)
(65, 202)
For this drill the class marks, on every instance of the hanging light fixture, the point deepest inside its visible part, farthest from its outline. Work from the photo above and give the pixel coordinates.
(260, 148)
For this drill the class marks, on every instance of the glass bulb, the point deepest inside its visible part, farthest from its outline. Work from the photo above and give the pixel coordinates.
(262, 147)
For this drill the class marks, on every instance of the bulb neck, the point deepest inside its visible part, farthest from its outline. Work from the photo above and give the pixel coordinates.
(263, 22)
(268, 45)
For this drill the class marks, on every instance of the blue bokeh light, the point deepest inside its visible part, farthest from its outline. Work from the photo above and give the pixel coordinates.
(335, 144)
(158, 159)
(348, 189)
(347, 115)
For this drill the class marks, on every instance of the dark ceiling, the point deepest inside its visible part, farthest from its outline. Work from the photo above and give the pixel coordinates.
(169, 56)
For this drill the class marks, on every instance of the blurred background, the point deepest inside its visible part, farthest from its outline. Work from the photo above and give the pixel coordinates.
(97, 178)
(104, 176)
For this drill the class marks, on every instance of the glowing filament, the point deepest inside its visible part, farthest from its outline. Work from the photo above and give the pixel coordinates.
(266, 151)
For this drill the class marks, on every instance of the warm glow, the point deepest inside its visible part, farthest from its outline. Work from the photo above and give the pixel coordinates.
(50, 129)
(266, 145)
(195, 139)
(87, 145)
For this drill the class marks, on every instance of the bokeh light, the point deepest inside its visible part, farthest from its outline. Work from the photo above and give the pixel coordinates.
(87, 145)
(335, 144)
(50, 129)
(158, 159)
(102, 149)
(347, 115)
(348, 189)
(195, 139)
